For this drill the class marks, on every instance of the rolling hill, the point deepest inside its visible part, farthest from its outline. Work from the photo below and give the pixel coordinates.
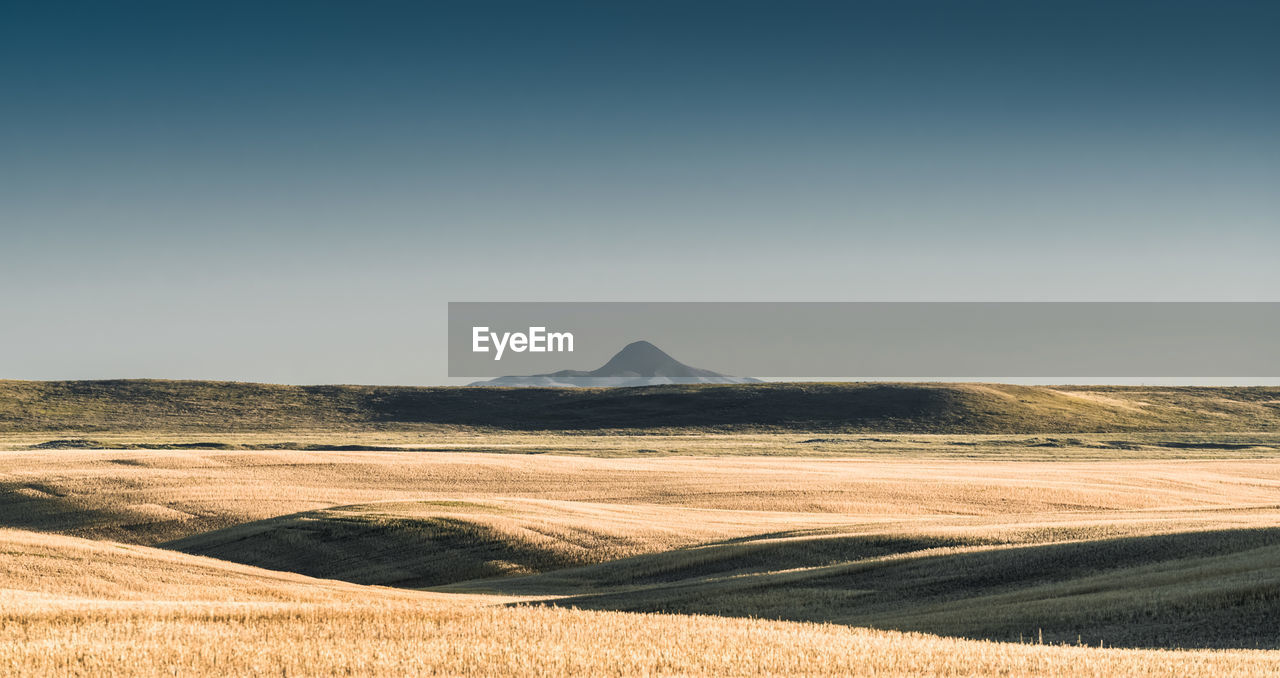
(76, 607)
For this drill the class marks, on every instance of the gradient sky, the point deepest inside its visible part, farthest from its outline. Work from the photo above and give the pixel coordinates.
(291, 192)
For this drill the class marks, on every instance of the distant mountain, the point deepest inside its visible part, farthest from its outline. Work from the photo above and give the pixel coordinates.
(637, 364)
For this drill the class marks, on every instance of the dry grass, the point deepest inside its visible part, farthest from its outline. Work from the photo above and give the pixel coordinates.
(1188, 589)
(894, 532)
(151, 497)
(417, 544)
(401, 640)
(161, 613)
(649, 443)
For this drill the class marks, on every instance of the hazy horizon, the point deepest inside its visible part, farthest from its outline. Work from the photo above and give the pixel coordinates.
(292, 192)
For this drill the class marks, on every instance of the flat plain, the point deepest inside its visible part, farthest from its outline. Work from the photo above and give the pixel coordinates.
(145, 550)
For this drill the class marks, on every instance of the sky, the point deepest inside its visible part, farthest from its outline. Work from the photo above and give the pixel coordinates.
(291, 192)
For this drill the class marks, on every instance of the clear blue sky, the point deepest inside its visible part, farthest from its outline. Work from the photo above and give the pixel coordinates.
(291, 192)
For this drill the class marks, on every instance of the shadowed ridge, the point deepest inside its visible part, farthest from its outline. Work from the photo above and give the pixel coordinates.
(1205, 589)
(42, 570)
(430, 543)
(63, 407)
(376, 548)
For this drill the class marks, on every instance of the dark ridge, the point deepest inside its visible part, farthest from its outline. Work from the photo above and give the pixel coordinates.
(68, 408)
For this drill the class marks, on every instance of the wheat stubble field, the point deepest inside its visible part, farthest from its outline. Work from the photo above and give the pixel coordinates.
(176, 545)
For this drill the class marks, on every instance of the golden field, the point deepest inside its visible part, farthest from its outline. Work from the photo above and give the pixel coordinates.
(466, 553)
(78, 607)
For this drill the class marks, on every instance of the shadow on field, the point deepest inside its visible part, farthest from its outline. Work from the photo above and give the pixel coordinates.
(1213, 589)
(47, 507)
(383, 550)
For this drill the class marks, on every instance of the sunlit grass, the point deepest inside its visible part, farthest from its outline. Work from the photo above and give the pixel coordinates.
(170, 613)
(746, 543)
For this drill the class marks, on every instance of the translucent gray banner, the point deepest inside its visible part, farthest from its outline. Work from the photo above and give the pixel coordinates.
(869, 340)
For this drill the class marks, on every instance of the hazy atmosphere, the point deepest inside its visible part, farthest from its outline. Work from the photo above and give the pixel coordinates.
(293, 192)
